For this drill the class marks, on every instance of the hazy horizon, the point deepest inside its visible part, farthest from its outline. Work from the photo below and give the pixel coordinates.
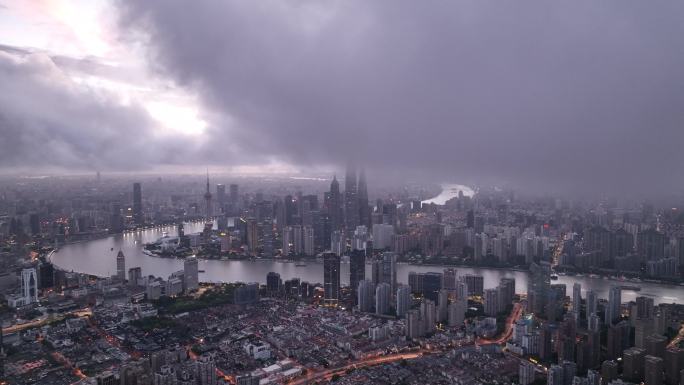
(580, 97)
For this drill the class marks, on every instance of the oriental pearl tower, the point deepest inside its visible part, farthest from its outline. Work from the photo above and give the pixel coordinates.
(207, 198)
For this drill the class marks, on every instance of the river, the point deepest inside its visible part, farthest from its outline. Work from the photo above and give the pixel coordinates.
(98, 257)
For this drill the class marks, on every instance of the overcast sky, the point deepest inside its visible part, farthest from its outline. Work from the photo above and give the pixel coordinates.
(555, 95)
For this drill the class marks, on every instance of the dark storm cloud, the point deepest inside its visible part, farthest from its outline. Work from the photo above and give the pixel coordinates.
(48, 122)
(559, 93)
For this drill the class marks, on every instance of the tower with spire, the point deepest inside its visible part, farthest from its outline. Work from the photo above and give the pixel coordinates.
(334, 205)
(207, 199)
(121, 265)
(362, 193)
(351, 203)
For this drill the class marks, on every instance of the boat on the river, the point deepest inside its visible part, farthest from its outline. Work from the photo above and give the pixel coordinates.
(632, 288)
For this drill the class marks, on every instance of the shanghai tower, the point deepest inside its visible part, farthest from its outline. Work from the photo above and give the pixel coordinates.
(364, 208)
(351, 203)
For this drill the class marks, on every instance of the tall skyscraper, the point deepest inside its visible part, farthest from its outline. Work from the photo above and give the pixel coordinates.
(116, 221)
(414, 328)
(475, 284)
(457, 310)
(389, 270)
(288, 241)
(191, 274)
(567, 338)
(538, 291)
(337, 243)
(138, 217)
(220, 197)
(462, 290)
(234, 200)
(449, 278)
(382, 236)
(576, 299)
(357, 270)
(360, 238)
(609, 371)
(382, 298)
(427, 314)
(29, 285)
(403, 300)
(308, 240)
(645, 308)
(591, 303)
(273, 282)
(34, 221)
(545, 346)
(655, 345)
(594, 323)
(506, 292)
(297, 240)
(491, 302)
(207, 201)
(653, 370)
(617, 339)
(252, 236)
(364, 297)
(442, 305)
(121, 266)
(432, 283)
(364, 208)
(46, 275)
(134, 276)
(376, 271)
(331, 279)
(650, 245)
(674, 365)
(334, 205)
(351, 203)
(633, 364)
(614, 303)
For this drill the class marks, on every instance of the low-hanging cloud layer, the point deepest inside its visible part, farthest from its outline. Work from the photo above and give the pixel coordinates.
(579, 95)
(51, 123)
(578, 92)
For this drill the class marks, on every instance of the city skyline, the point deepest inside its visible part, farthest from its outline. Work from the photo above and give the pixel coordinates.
(341, 192)
(162, 261)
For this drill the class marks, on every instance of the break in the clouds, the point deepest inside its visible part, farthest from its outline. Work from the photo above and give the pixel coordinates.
(560, 95)
(565, 93)
(49, 122)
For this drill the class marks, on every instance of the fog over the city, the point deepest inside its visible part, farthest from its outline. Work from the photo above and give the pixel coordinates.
(578, 96)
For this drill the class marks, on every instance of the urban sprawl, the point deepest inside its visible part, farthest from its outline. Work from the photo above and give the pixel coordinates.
(438, 326)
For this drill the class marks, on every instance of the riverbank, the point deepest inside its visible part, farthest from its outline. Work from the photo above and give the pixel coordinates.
(438, 266)
(500, 268)
(98, 258)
